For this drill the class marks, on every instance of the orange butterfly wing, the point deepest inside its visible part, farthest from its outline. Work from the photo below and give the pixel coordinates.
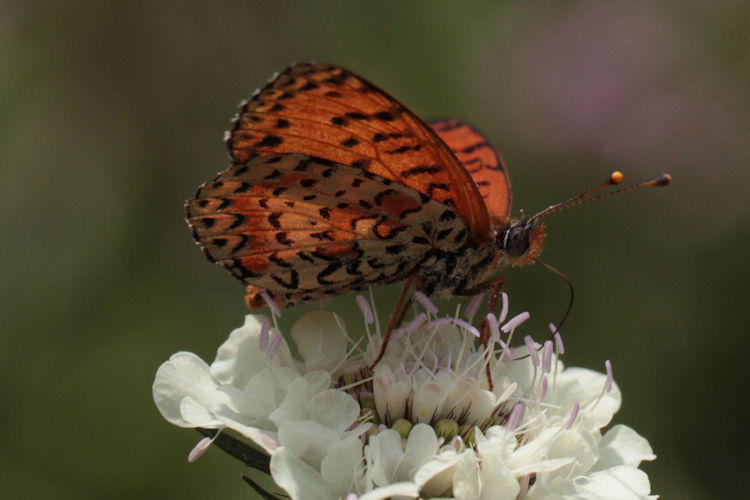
(482, 162)
(303, 228)
(328, 112)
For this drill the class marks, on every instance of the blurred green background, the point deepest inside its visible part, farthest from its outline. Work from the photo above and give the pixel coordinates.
(113, 113)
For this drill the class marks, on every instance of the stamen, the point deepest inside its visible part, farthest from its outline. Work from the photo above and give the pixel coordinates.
(531, 346)
(426, 302)
(547, 356)
(364, 306)
(467, 326)
(507, 350)
(275, 344)
(515, 416)
(374, 308)
(456, 321)
(515, 321)
(272, 305)
(269, 441)
(418, 320)
(573, 415)
(504, 310)
(544, 389)
(494, 327)
(473, 306)
(264, 329)
(200, 448)
(610, 376)
(440, 322)
(559, 346)
(524, 484)
(351, 496)
(506, 394)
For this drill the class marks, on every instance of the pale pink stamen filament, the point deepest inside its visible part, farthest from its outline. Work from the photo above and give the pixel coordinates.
(573, 415)
(418, 320)
(531, 346)
(364, 306)
(504, 309)
(275, 344)
(199, 449)
(426, 302)
(515, 321)
(610, 376)
(467, 326)
(547, 356)
(263, 339)
(544, 389)
(494, 327)
(473, 306)
(456, 321)
(515, 416)
(272, 305)
(559, 346)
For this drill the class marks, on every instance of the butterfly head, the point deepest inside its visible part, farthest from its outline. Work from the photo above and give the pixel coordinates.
(521, 241)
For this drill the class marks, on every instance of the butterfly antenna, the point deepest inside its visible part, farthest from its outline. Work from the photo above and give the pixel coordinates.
(614, 179)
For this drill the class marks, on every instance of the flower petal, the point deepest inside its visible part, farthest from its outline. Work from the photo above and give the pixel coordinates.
(296, 404)
(240, 357)
(320, 340)
(307, 440)
(421, 445)
(343, 466)
(298, 479)
(334, 409)
(621, 445)
(395, 490)
(466, 482)
(186, 375)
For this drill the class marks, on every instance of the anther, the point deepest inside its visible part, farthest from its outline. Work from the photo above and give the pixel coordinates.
(275, 344)
(515, 322)
(504, 309)
(364, 306)
(610, 377)
(415, 323)
(544, 389)
(573, 415)
(473, 306)
(272, 305)
(426, 302)
(264, 329)
(515, 416)
(547, 356)
(531, 347)
(200, 448)
(494, 327)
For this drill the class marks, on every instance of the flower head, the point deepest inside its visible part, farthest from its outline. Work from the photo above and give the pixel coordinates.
(426, 422)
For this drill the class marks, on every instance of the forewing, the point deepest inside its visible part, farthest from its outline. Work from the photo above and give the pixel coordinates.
(303, 228)
(482, 162)
(328, 112)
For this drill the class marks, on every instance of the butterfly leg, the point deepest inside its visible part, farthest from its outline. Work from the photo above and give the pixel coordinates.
(397, 316)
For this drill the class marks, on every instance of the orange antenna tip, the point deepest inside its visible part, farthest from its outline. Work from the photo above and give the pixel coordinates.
(616, 177)
(664, 180)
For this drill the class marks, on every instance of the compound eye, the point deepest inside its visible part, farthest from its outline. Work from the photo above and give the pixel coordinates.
(517, 241)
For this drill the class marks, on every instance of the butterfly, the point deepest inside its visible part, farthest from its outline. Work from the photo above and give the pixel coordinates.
(335, 186)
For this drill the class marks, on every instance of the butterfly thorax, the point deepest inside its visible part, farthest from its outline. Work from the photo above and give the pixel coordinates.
(457, 273)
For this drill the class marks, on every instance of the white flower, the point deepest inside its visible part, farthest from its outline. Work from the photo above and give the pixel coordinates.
(426, 422)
